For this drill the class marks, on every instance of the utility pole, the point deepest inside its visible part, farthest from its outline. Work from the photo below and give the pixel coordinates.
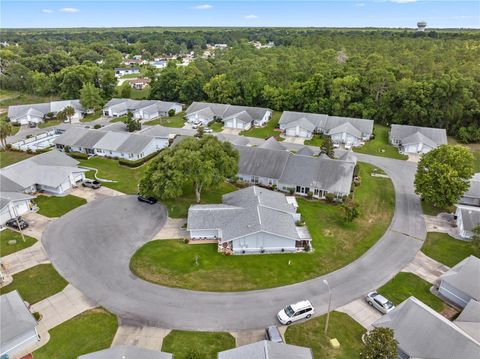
(18, 222)
(329, 304)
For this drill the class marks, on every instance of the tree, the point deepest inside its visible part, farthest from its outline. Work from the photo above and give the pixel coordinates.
(90, 97)
(69, 112)
(443, 175)
(125, 90)
(350, 210)
(61, 116)
(171, 112)
(327, 147)
(132, 124)
(5, 131)
(380, 343)
(203, 163)
(200, 132)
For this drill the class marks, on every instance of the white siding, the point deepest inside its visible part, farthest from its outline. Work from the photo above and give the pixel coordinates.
(298, 132)
(264, 119)
(254, 243)
(19, 343)
(346, 138)
(453, 294)
(27, 119)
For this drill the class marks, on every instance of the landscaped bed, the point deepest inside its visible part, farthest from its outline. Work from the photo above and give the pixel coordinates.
(380, 145)
(205, 345)
(92, 117)
(310, 334)
(88, 332)
(36, 283)
(52, 206)
(448, 250)
(176, 121)
(266, 131)
(335, 242)
(8, 235)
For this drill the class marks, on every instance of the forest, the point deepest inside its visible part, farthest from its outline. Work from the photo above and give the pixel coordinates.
(391, 76)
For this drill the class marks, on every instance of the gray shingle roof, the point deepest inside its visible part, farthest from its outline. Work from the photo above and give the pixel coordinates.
(418, 137)
(69, 137)
(7, 197)
(89, 139)
(236, 140)
(469, 319)
(135, 143)
(148, 106)
(474, 189)
(242, 116)
(16, 318)
(470, 217)
(302, 123)
(272, 144)
(346, 127)
(401, 132)
(305, 151)
(127, 352)
(42, 109)
(465, 276)
(348, 156)
(226, 111)
(112, 140)
(267, 350)
(156, 131)
(317, 119)
(424, 333)
(262, 162)
(363, 125)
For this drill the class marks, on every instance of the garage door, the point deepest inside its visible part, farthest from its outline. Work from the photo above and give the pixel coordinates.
(77, 177)
(290, 131)
(21, 208)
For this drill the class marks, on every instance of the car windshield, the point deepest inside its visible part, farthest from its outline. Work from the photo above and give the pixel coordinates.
(289, 311)
(388, 305)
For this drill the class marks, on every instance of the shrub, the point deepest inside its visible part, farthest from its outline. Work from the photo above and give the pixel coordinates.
(291, 190)
(28, 136)
(78, 155)
(357, 180)
(274, 186)
(8, 146)
(97, 126)
(309, 194)
(29, 151)
(330, 197)
(37, 316)
(356, 170)
(136, 163)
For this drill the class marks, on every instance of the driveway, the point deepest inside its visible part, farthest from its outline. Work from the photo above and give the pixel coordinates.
(90, 194)
(91, 247)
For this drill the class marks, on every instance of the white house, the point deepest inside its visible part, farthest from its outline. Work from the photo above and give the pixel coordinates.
(53, 172)
(267, 349)
(462, 282)
(141, 109)
(35, 113)
(232, 116)
(18, 326)
(472, 196)
(122, 71)
(352, 131)
(160, 64)
(252, 220)
(415, 139)
(467, 219)
(14, 204)
(127, 352)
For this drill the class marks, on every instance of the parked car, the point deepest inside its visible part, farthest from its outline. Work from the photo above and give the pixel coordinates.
(336, 145)
(207, 130)
(293, 312)
(149, 200)
(348, 146)
(273, 334)
(91, 183)
(32, 124)
(379, 302)
(19, 223)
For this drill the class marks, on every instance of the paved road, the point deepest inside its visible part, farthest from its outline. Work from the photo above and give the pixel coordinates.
(92, 245)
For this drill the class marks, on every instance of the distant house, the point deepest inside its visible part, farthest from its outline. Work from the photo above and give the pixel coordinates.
(160, 64)
(35, 113)
(421, 332)
(467, 219)
(469, 319)
(220, 46)
(232, 116)
(472, 196)
(462, 282)
(127, 352)
(139, 84)
(125, 145)
(417, 140)
(266, 349)
(122, 71)
(141, 109)
(18, 326)
(250, 221)
(53, 172)
(14, 204)
(270, 165)
(352, 131)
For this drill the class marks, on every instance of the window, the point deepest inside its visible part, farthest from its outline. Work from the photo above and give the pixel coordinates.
(308, 310)
(298, 189)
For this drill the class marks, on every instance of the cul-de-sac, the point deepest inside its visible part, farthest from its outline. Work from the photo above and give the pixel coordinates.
(239, 180)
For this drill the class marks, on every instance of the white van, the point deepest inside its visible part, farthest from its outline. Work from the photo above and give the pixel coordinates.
(293, 312)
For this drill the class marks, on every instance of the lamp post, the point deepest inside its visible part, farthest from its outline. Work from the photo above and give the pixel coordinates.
(329, 304)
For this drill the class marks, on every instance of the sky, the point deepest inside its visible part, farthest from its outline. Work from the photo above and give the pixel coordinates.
(340, 13)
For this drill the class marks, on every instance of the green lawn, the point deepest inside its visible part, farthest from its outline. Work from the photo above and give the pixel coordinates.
(118, 119)
(51, 206)
(310, 334)
(88, 332)
(176, 121)
(15, 130)
(8, 158)
(404, 285)
(266, 131)
(336, 243)
(447, 250)
(92, 117)
(10, 98)
(140, 94)
(9, 235)
(206, 345)
(216, 126)
(317, 140)
(49, 123)
(380, 146)
(476, 154)
(36, 283)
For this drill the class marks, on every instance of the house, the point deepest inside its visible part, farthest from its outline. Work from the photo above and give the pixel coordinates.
(421, 332)
(160, 64)
(462, 282)
(294, 172)
(18, 326)
(127, 352)
(467, 218)
(266, 349)
(234, 140)
(125, 145)
(232, 116)
(353, 131)
(14, 204)
(220, 46)
(472, 196)
(141, 109)
(469, 319)
(35, 113)
(415, 139)
(252, 220)
(122, 71)
(53, 172)
(139, 84)
(41, 141)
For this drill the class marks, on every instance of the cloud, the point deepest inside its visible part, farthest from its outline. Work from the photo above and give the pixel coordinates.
(403, 1)
(250, 17)
(47, 11)
(203, 7)
(70, 10)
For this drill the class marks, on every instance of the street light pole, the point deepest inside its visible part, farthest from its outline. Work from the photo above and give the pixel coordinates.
(15, 213)
(329, 304)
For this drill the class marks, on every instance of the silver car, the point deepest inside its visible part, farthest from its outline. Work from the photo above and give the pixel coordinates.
(379, 302)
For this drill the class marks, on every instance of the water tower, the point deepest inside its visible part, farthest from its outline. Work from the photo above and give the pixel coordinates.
(421, 25)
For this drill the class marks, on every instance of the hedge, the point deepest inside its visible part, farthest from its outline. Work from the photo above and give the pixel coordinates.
(78, 155)
(139, 162)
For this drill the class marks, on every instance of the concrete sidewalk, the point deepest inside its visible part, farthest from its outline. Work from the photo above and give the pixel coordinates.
(141, 336)
(245, 337)
(90, 194)
(426, 268)
(24, 259)
(361, 312)
(37, 224)
(172, 229)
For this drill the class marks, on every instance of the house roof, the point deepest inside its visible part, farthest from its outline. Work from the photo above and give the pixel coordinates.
(41, 109)
(474, 189)
(244, 212)
(348, 156)
(242, 116)
(305, 151)
(127, 352)
(266, 349)
(402, 132)
(236, 140)
(418, 137)
(465, 277)
(226, 111)
(272, 144)
(148, 106)
(7, 197)
(317, 119)
(346, 127)
(424, 333)
(361, 124)
(470, 216)
(469, 319)
(16, 318)
(135, 143)
(112, 140)
(262, 162)
(302, 122)
(156, 131)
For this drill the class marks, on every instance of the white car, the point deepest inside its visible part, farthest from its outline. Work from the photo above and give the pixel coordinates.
(207, 130)
(379, 302)
(348, 146)
(293, 312)
(336, 145)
